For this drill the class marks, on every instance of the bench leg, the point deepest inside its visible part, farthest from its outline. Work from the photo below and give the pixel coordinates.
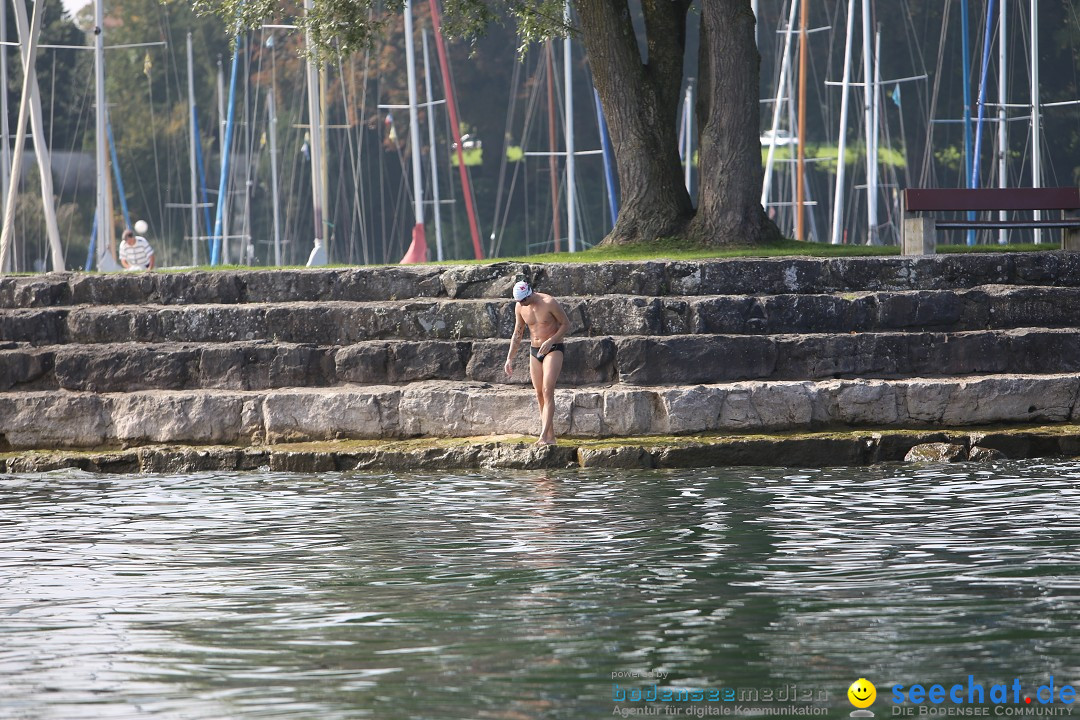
(1070, 237)
(919, 235)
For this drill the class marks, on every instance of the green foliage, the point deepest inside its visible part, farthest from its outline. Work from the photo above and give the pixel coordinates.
(348, 26)
(826, 154)
(62, 74)
(473, 157)
(950, 157)
(148, 109)
(891, 157)
(29, 224)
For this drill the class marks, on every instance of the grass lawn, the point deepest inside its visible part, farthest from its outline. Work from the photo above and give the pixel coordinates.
(678, 250)
(675, 249)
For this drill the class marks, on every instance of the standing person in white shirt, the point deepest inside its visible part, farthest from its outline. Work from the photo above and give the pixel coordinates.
(135, 252)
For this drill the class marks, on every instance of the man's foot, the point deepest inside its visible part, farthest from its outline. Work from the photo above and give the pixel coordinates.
(545, 441)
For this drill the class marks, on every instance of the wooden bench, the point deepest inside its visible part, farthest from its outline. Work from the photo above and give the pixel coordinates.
(919, 232)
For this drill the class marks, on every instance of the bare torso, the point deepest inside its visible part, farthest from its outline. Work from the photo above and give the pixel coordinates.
(542, 317)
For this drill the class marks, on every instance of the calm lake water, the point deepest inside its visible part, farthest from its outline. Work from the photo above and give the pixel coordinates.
(519, 595)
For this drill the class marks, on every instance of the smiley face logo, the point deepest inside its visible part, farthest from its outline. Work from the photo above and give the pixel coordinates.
(862, 693)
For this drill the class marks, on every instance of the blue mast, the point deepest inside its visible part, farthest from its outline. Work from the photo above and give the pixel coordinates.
(982, 91)
(609, 171)
(965, 49)
(93, 244)
(223, 184)
(116, 174)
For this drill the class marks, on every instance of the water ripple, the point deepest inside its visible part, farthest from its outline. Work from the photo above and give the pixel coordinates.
(497, 595)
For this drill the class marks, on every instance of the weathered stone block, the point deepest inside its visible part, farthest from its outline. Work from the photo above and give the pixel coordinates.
(529, 457)
(54, 419)
(365, 363)
(325, 414)
(30, 369)
(625, 457)
(985, 455)
(937, 453)
(125, 367)
(870, 402)
(176, 417)
(32, 292)
(481, 281)
(585, 417)
(35, 327)
(764, 405)
(624, 316)
(302, 462)
(985, 401)
(633, 412)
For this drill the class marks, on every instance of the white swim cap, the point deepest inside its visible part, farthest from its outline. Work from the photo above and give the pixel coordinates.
(522, 291)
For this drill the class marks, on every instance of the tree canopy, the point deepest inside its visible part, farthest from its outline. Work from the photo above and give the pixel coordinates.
(640, 93)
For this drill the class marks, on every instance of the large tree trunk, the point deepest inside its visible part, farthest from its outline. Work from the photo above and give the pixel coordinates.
(729, 204)
(641, 102)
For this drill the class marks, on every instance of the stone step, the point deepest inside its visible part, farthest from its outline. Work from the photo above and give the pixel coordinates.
(749, 276)
(633, 360)
(54, 419)
(798, 450)
(346, 323)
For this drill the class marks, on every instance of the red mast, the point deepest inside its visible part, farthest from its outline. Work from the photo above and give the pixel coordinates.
(456, 129)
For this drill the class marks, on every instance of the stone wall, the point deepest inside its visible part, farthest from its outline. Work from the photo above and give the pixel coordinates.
(272, 356)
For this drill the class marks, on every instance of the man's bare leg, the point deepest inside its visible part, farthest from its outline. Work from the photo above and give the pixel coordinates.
(552, 366)
(536, 373)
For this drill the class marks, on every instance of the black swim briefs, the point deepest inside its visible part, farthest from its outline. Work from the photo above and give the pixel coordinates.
(535, 351)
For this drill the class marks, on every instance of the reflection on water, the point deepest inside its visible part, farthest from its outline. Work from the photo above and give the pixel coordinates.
(517, 595)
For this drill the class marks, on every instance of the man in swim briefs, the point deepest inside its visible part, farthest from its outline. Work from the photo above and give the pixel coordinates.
(548, 325)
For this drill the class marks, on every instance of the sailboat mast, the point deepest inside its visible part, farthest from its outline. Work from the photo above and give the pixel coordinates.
(5, 138)
(965, 45)
(25, 102)
(414, 123)
(553, 158)
(609, 160)
(868, 118)
(1003, 129)
(318, 254)
(272, 131)
(194, 139)
(221, 233)
(984, 72)
(688, 127)
(841, 166)
(766, 186)
(800, 180)
(324, 153)
(431, 152)
(875, 135)
(571, 184)
(105, 260)
(271, 111)
(41, 149)
(1036, 132)
(455, 128)
(553, 151)
(757, 20)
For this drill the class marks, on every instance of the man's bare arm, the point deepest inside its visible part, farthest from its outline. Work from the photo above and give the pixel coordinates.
(515, 341)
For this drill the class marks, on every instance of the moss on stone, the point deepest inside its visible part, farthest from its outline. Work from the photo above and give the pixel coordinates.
(861, 445)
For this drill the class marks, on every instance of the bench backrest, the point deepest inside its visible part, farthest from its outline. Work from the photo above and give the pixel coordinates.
(941, 199)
